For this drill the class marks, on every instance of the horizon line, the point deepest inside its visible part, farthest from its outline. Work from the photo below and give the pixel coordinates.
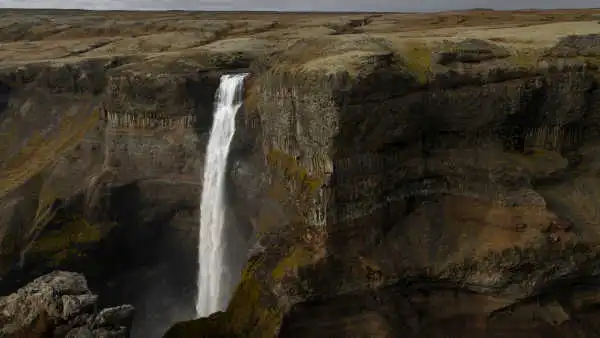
(291, 11)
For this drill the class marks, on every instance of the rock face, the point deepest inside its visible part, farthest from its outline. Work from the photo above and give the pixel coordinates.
(412, 197)
(60, 304)
(398, 175)
(82, 194)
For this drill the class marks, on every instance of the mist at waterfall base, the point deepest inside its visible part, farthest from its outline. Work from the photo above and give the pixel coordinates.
(215, 279)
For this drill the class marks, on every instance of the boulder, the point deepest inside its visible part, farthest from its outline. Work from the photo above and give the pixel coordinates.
(60, 304)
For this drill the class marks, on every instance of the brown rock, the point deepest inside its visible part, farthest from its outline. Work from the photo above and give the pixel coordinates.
(441, 163)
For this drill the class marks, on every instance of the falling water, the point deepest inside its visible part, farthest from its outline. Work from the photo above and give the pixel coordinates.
(212, 213)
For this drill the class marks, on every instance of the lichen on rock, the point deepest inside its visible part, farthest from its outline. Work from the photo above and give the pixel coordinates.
(60, 304)
(67, 241)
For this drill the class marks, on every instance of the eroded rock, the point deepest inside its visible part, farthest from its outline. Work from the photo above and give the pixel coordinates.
(60, 304)
(422, 211)
(115, 316)
(469, 51)
(576, 45)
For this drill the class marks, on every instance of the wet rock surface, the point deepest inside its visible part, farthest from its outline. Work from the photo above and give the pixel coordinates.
(60, 304)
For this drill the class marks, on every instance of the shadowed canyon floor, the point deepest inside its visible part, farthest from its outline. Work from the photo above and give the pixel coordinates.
(392, 175)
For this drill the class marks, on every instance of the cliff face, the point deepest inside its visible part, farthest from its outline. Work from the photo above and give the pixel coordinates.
(394, 181)
(422, 197)
(462, 205)
(101, 174)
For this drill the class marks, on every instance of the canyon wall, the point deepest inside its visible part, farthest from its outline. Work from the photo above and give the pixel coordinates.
(421, 200)
(104, 178)
(392, 175)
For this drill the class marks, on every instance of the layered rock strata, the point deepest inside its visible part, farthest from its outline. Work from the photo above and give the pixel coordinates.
(403, 200)
(412, 175)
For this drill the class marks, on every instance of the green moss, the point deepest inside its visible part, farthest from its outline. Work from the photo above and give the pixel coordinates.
(292, 187)
(40, 151)
(538, 153)
(254, 310)
(293, 171)
(58, 245)
(418, 61)
(211, 327)
(527, 59)
(249, 314)
(46, 199)
(299, 256)
(248, 317)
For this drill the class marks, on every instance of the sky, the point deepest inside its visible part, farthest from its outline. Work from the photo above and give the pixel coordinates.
(301, 5)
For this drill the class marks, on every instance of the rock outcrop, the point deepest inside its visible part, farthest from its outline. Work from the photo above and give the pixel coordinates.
(60, 304)
(398, 175)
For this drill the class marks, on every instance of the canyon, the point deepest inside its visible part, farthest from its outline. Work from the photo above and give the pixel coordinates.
(391, 175)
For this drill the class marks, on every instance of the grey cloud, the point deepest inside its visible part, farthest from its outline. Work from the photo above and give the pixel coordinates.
(300, 5)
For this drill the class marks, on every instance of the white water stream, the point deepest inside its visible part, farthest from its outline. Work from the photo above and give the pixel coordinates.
(212, 209)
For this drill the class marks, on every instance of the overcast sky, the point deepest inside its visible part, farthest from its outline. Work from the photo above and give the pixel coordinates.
(316, 5)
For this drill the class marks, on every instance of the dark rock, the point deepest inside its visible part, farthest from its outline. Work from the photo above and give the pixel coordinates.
(85, 223)
(121, 332)
(80, 332)
(59, 304)
(468, 51)
(395, 210)
(576, 45)
(392, 183)
(115, 316)
(79, 320)
(76, 304)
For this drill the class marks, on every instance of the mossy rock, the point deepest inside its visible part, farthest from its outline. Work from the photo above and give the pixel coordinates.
(39, 151)
(576, 45)
(525, 59)
(418, 59)
(210, 327)
(254, 311)
(58, 245)
(293, 170)
(298, 257)
(470, 51)
(248, 314)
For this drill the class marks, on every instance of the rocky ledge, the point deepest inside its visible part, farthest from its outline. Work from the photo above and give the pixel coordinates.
(60, 304)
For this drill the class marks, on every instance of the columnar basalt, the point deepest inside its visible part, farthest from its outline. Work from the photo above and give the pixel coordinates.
(436, 191)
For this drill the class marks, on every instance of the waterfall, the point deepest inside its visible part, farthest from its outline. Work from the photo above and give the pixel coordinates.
(212, 212)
